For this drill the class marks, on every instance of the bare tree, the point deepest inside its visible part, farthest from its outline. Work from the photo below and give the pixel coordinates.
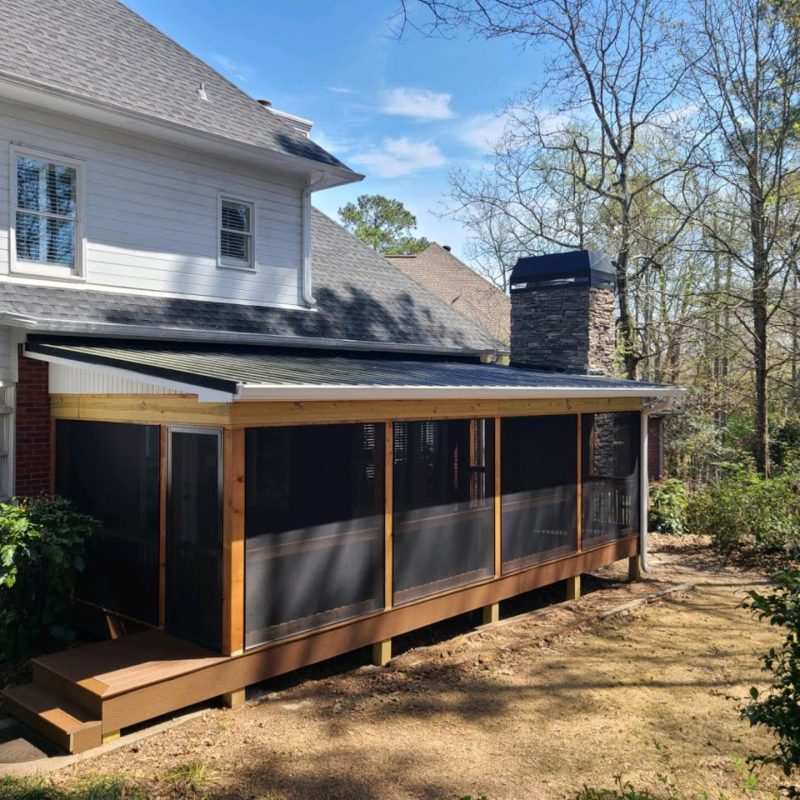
(746, 72)
(615, 70)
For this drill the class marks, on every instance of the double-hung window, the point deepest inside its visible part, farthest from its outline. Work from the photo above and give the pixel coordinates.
(46, 214)
(236, 240)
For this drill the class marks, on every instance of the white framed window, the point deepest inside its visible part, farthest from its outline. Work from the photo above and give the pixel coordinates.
(6, 442)
(236, 233)
(47, 197)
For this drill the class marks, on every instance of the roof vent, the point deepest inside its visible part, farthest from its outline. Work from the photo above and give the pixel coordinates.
(264, 103)
(446, 247)
(201, 92)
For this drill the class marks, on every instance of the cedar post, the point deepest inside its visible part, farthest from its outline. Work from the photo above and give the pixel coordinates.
(233, 542)
(382, 651)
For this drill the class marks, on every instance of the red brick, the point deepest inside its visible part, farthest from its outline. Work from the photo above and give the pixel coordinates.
(32, 428)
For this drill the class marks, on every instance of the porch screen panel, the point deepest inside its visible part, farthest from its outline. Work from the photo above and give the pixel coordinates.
(443, 505)
(111, 471)
(314, 527)
(610, 476)
(539, 477)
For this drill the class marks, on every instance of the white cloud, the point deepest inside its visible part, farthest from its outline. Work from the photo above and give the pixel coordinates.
(417, 103)
(230, 68)
(397, 157)
(483, 131)
(341, 89)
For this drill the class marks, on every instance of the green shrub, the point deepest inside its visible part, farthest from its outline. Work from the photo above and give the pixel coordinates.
(778, 709)
(746, 511)
(668, 506)
(42, 546)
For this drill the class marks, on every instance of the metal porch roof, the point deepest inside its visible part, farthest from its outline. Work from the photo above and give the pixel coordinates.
(258, 373)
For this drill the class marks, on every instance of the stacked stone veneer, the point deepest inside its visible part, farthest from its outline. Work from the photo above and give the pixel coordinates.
(570, 328)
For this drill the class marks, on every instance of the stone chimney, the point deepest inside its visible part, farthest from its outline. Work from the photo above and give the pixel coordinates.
(562, 313)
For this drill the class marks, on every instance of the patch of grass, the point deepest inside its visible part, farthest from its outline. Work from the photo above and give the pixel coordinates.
(110, 787)
(97, 787)
(194, 777)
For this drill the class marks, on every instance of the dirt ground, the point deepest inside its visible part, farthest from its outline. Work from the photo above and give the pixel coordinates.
(534, 707)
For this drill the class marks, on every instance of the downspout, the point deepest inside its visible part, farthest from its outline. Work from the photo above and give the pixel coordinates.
(305, 276)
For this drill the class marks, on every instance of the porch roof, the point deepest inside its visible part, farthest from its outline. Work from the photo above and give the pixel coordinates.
(262, 373)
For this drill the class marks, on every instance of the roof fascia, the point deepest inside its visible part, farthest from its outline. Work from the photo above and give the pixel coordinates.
(300, 393)
(60, 100)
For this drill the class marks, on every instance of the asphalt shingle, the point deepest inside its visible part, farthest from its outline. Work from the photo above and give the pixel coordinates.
(360, 297)
(100, 50)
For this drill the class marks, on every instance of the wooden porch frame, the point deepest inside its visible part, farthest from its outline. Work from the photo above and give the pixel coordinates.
(235, 418)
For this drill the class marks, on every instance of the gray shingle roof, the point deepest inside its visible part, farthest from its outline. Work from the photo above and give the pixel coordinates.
(360, 297)
(438, 270)
(102, 51)
(224, 366)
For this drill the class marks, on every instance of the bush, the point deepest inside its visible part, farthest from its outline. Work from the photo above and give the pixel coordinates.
(778, 709)
(668, 506)
(42, 546)
(746, 511)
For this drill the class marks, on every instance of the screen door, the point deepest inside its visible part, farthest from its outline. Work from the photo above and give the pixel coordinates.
(193, 601)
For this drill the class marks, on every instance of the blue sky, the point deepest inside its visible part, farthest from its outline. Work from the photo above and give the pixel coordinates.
(405, 112)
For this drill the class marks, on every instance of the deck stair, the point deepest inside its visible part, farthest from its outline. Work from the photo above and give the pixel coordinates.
(69, 726)
(83, 696)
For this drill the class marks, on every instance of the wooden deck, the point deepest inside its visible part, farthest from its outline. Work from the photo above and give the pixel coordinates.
(82, 695)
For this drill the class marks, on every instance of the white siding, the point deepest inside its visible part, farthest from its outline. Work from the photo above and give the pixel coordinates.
(8, 356)
(151, 212)
(65, 379)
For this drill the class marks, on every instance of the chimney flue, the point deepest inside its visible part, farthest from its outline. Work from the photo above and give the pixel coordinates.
(562, 313)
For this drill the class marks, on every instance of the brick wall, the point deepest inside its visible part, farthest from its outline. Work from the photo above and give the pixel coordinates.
(32, 428)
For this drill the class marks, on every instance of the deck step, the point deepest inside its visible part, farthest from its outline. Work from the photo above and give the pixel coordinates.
(84, 693)
(69, 726)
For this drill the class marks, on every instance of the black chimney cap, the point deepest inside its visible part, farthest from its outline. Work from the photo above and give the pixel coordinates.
(559, 270)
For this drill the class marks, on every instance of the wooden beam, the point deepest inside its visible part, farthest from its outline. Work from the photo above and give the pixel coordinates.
(388, 516)
(498, 502)
(233, 542)
(382, 652)
(185, 409)
(573, 585)
(634, 568)
(234, 699)
(490, 614)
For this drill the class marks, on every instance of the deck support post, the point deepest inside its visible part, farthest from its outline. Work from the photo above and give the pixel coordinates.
(634, 568)
(233, 699)
(490, 614)
(111, 736)
(382, 653)
(573, 586)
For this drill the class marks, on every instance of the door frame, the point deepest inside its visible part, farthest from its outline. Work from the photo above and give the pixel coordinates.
(205, 430)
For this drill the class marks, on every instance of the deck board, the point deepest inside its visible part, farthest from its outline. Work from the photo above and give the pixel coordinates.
(120, 665)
